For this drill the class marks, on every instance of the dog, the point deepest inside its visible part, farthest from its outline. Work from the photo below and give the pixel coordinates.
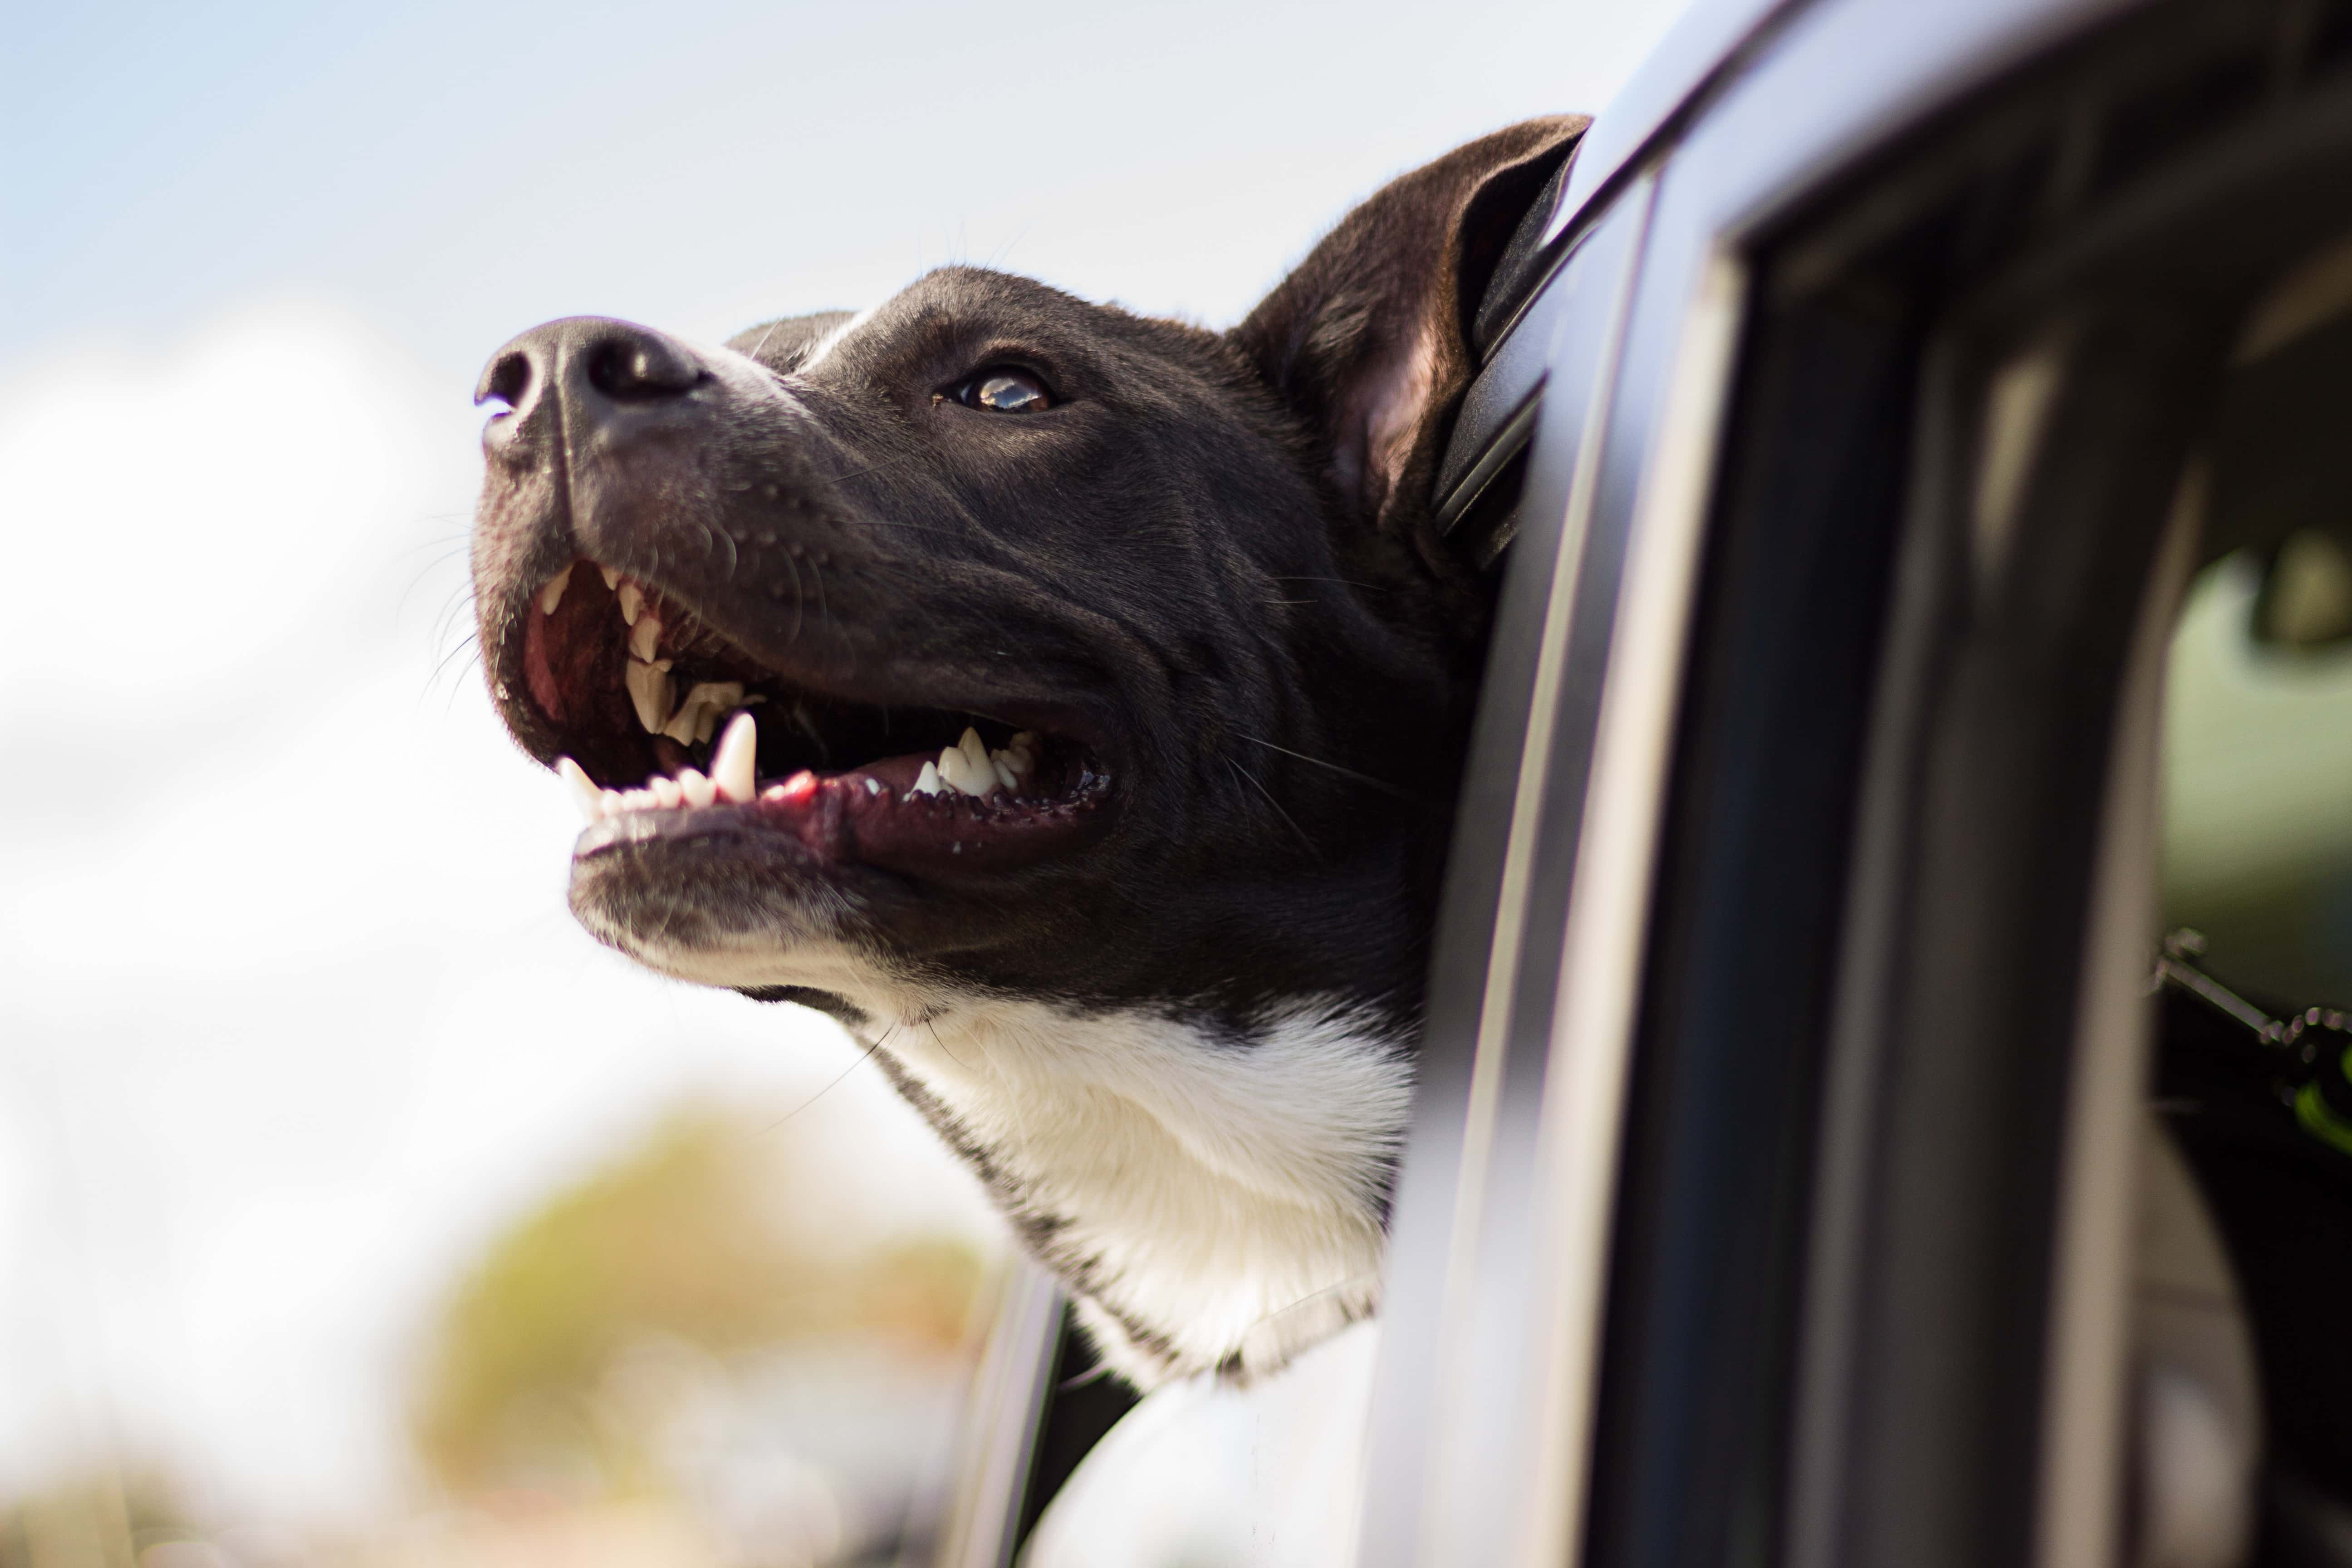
(1069, 702)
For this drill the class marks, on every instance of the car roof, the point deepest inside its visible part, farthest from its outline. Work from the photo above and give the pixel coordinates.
(1964, 43)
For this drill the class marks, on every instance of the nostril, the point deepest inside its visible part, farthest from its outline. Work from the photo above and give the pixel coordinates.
(639, 369)
(508, 379)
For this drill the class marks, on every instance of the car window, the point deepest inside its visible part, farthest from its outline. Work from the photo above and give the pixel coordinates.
(2055, 1294)
(2252, 1064)
(2258, 760)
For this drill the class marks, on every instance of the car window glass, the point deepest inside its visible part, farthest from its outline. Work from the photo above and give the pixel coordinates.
(2253, 1064)
(2258, 837)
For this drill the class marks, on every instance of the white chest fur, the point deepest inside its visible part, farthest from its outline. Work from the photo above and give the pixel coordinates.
(1216, 1200)
(1213, 1198)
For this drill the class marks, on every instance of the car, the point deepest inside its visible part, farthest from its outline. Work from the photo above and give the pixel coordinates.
(1908, 448)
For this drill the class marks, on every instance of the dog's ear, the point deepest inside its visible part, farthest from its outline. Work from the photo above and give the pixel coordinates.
(1367, 341)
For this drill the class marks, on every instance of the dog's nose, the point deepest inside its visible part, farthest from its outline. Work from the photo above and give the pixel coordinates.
(599, 371)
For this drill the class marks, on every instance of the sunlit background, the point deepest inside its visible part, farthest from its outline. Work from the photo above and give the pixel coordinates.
(354, 1208)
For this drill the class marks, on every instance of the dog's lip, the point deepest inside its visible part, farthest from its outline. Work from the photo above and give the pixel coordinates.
(831, 824)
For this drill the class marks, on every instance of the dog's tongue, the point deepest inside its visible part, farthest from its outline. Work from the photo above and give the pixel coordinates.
(843, 817)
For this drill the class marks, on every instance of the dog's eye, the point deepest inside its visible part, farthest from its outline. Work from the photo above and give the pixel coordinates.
(1005, 390)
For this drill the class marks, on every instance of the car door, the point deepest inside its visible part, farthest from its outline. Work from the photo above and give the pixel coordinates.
(1773, 1192)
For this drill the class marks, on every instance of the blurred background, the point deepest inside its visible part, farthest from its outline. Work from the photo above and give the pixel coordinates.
(354, 1207)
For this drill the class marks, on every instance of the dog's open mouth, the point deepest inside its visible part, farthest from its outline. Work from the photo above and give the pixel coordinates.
(669, 727)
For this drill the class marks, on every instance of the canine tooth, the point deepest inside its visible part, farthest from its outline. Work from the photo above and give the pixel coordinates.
(644, 635)
(956, 767)
(611, 575)
(734, 765)
(584, 788)
(633, 602)
(552, 594)
(668, 791)
(972, 746)
(697, 790)
(927, 781)
(652, 692)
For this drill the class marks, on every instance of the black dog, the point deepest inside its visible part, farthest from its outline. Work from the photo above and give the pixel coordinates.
(1069, 702)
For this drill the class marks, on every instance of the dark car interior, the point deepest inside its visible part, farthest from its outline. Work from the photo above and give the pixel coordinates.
(2053, 395)
(2090, 338)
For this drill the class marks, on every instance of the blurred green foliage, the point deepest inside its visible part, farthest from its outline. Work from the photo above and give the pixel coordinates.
(95, 1519)
(705, 1235)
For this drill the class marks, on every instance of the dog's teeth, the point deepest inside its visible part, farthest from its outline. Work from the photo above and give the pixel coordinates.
(651, 691)
(697, 790)
(633, 602)
(698, 714)
(641, 799)
(872, 786)
(1002, 763)
(551, 595)
(584, 788)
(609, 803)
(983, 771)
(645, 636)
(733, 765)
(927, 781)
(611, 575)
(668, 791)
(957, 768)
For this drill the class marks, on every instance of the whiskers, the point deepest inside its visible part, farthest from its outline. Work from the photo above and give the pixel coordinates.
(1365, 779)
(864, 1057)
(1353, 1283)
(1252, 780)
(455, 659)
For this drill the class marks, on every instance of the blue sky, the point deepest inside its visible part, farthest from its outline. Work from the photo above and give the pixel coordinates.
(459, 171)
(290, 1013)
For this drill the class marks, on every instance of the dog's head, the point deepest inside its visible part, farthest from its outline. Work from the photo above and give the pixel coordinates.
(994, 639)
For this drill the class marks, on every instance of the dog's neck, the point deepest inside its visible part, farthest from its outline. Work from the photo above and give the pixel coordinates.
(1214, 1195)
